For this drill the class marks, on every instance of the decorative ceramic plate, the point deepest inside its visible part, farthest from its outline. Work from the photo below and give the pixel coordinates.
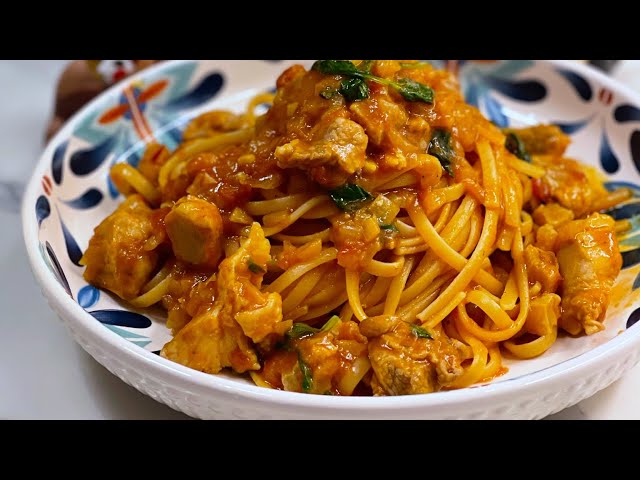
(70, 193)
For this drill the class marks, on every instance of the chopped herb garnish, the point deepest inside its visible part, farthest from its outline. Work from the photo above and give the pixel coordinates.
(336, 67)
(328, 392)
(300, 330)
(332, 322)
(414, 91)
(411, 90)
(254, 267)
(354, 89)
(516, 146)
(440, 147)
(307, 375)
(350, 197)
(420, 332)
(328, 93)
(390, 227)
(284, 345)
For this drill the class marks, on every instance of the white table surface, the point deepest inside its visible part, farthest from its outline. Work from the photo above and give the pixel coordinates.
(44, 374)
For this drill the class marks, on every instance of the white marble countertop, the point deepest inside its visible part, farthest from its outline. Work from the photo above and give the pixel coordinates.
(44, 374)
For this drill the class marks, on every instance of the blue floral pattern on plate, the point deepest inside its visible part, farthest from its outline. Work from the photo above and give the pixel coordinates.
(117, 129)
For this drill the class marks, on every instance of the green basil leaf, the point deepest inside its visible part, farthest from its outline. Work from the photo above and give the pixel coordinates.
(420, 332)
(332, 322)
(254, 267)
(300, 330)
(414, 91)
(390, 227)
(336, 67)
(350, 197)
(516, 146)
(354, 89)
(307, 375)
(440, 147)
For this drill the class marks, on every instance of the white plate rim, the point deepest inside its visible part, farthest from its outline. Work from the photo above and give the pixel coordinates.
(172, 372)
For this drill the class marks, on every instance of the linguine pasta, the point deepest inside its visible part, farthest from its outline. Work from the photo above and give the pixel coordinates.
(370, 234)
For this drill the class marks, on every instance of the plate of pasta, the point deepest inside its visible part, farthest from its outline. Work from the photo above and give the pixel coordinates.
(348, 238)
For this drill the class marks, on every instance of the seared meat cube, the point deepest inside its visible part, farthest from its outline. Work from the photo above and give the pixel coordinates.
(590, 261)
(335, 361)
(405, 362)
(574, 186)
(121, 255)
(552, 214)
(542, 267)
(195, 227)
(380, 118)
(338, 152)
(221, 336)
(211, 342)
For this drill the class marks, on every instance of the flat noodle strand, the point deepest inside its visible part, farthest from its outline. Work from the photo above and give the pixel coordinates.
(353, 293)
(262, 225)
(200, 145)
